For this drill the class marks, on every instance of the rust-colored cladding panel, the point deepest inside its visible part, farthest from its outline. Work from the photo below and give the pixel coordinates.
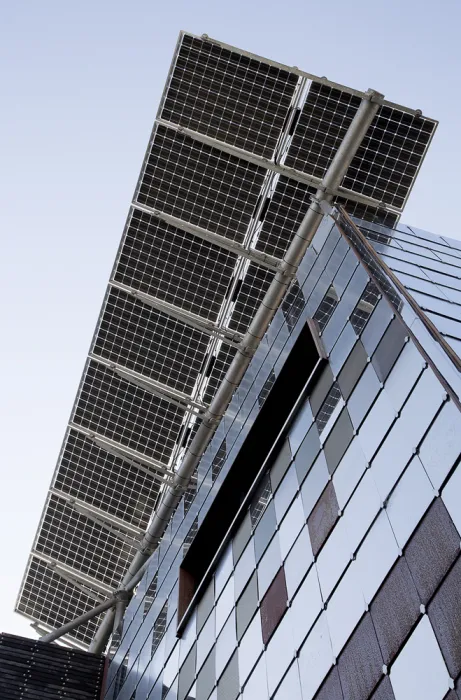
(273, 605)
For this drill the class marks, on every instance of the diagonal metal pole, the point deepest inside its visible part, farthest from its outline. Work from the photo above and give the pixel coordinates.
(117, 602)
(258, 327)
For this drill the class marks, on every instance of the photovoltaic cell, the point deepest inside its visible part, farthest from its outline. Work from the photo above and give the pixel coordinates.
(98, 478)
(94, 551)
(123, 412)
(386, 163)
(174, 266)
(255, 284)
(200, 184)
(150, 342)
(220, 365)
(228, 96)
(48, 597)
(285, 213)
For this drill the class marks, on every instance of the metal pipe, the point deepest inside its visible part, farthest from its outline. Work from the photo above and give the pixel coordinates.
(122, 595)
(120, 606)
(274, 295)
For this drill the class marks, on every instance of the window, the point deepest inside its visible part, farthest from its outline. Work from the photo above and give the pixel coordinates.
(268, 384)
(190, 492)
(190, 536)
(292, 305)
(120, 675)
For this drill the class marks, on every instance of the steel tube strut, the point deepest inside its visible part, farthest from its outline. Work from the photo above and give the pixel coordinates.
(119, 596)
(258, 327)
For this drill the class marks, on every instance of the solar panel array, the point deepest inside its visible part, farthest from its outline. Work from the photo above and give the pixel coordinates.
(126, 431)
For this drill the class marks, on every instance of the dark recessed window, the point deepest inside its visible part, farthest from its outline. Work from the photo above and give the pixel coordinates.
(159, 628)
(365, 307)
(376, 236)
(260, 500)
(328, 406)
(326, 308)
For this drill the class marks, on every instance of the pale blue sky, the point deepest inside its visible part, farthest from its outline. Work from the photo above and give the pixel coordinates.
(80, 86)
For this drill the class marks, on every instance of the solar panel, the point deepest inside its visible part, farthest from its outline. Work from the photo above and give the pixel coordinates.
(389, 157)
(280, 117)
(228, 96)
(46, 596)
(75, 540)
(199, 184)
(118, 487)
(119, 410)
(149, 341)
(174, 266)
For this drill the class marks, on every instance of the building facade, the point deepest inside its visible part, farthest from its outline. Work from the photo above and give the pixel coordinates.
(320, 556)
(239, 147)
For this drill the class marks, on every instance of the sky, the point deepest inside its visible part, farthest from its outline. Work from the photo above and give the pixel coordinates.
(80, 86)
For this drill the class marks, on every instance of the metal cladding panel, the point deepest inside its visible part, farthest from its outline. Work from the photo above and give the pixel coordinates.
(228, 96)
(387, 162)
(42, 671)
(429, 267)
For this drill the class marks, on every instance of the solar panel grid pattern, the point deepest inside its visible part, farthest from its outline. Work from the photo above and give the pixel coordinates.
(149, 341)
(93, 475)
(77, 541)
(200, 184)
(255, 284)
(54, 601)
(228, 96)
(387, 161)
(174, 266)
(123, 412)
(288, 205)
(322, 125)
(223, 359)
